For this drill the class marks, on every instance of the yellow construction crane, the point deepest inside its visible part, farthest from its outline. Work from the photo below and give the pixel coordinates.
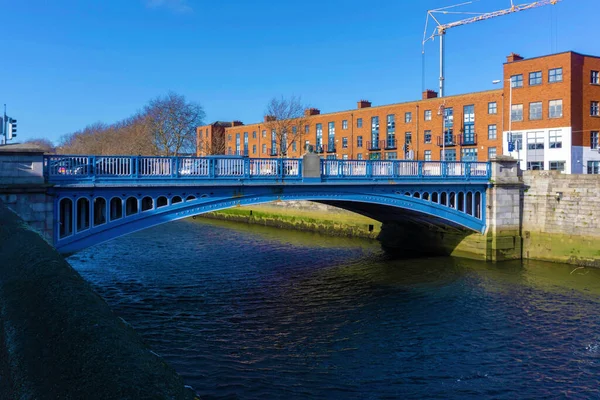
(440, 29)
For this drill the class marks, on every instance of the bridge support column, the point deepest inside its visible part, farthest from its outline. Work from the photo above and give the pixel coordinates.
(23, 190)
(504, 211)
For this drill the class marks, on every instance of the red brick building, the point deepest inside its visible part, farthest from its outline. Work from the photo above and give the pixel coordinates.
(554, 102)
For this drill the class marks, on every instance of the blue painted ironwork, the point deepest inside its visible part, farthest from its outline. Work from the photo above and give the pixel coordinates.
(102, 197)
(107, 168)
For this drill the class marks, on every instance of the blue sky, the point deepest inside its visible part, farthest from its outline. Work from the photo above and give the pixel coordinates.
(70, 63)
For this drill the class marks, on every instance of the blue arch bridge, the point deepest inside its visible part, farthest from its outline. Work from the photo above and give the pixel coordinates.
(98, 198)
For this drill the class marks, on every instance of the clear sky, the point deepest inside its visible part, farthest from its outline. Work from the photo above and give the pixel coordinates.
(70, 63)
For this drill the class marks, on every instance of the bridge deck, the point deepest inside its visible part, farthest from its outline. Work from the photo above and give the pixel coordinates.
(195, 170)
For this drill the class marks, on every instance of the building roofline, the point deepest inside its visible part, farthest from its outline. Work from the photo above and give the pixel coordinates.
(387, 105)
(551, 55)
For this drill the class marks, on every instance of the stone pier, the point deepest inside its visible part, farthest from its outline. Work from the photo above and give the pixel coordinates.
(23, 188)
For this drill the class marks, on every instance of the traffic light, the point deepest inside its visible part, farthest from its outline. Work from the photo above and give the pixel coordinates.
(12, 129)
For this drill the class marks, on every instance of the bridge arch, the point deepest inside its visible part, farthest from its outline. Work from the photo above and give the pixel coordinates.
(144, 208)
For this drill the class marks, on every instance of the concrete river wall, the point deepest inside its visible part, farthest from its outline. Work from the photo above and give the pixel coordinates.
(59, 339)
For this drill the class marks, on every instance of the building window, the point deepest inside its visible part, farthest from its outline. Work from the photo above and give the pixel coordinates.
(594, 140)
(492, 132)
(492, 108)
(517, 139)
(345, 124)
(535, 140)
(253, 134)
(535, 78)
(229, 137)
(516, 112)
(535, 110)
(557, 165)
(345, 157)
(359, 122)
(359, 156)
(469, 154)
(593, 167)
(407, 137)
(556, 139)
(391, 129)
(427, 136)
(344, 143)
(359, 141)
(491, 153)
(427, 115)
(516, 81)
(555, 75)
(595, 78)
(392, 155)
(374, 131)
(427, 155)
(264, 133)
(535, 165)
(253, 149)
(264, 148)
(594, 110)
(306, 129)
(319, 140)
(450, 155)
(294, 145)
(469, 125)
(449, 125)
(407, 117)
(555, 109)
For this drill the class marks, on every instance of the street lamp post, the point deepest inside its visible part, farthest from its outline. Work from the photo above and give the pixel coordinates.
(442, 112)
(510, 142)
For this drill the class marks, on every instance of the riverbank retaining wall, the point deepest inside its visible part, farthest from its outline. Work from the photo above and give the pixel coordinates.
(59, 339)
(561, 217)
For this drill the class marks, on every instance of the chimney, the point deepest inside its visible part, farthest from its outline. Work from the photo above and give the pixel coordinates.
(512, 57)
(237, 123)
(429, 94)
(312, 111)
(363, 104)
(269, 118)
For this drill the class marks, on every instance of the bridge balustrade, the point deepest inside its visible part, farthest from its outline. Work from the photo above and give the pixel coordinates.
(81, 168)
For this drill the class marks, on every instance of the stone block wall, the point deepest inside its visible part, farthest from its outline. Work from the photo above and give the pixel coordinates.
(561, 217)
(36, 208)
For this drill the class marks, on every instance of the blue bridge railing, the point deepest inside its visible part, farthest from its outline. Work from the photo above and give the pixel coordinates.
(61, 168)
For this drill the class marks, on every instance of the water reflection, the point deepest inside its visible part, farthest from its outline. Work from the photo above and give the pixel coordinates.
(245, 311)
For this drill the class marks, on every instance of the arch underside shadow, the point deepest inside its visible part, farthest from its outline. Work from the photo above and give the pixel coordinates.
(382, 204)
(385, 213)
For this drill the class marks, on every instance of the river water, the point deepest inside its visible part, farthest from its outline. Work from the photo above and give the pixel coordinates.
(250, 312)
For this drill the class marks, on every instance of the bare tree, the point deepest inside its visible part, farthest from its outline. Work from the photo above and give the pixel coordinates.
(172, 123)
(43, 144)
(285, 120)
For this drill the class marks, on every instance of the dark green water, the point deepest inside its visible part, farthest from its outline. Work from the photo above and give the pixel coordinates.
(251, 312)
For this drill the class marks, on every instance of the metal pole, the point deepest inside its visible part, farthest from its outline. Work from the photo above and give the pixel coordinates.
(443, 133)
(441, 34)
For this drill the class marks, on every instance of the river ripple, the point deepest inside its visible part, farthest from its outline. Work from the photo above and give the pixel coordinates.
(251, 312)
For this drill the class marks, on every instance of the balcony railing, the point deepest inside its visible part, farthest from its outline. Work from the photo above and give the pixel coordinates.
(330, 148)
(76, 168)
(451, 140)
(273, 152)
(468, 140)
(374, 146)
(384, 144)
(319, 149)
